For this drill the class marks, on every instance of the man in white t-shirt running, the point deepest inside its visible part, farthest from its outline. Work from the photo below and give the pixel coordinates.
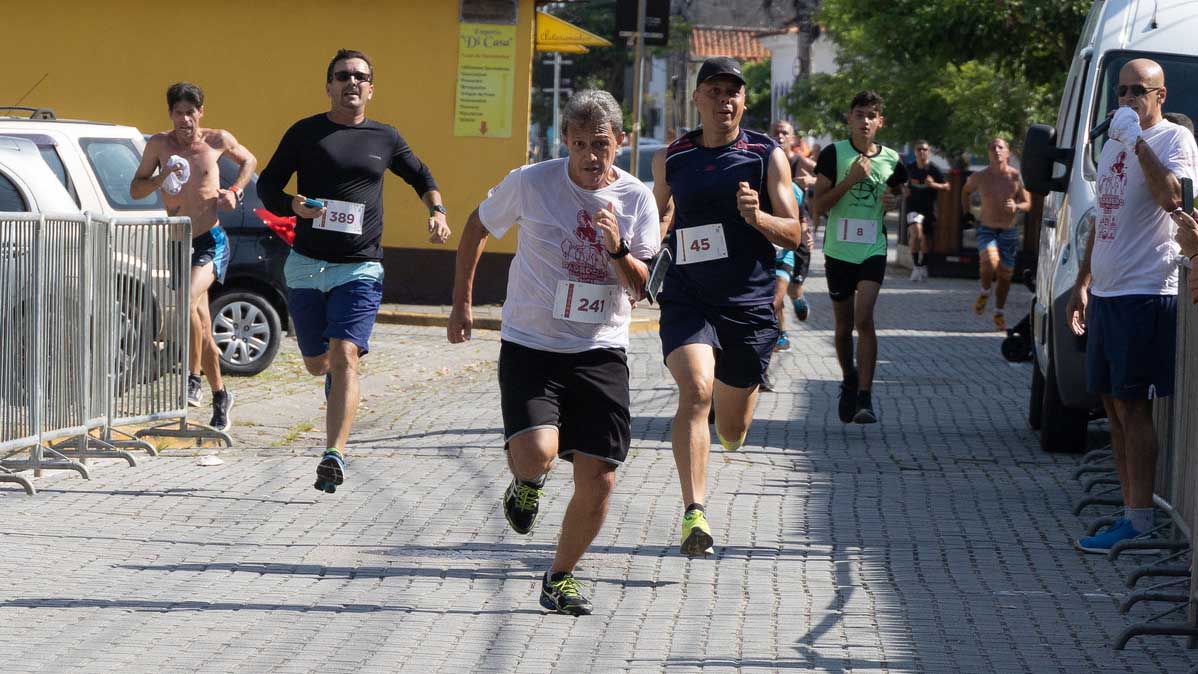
(586, 230)
(1130, 273)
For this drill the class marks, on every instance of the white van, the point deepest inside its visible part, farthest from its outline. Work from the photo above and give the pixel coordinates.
(1060, 161)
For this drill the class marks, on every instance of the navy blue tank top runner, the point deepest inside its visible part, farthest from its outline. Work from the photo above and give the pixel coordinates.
(704, 182)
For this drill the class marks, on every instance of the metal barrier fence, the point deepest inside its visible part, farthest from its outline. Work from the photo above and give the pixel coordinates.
(1174, 566)
(18, 339)
(94, 321)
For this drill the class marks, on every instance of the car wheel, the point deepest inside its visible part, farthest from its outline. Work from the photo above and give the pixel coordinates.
(135, 354)
(1062, 429)
(1035, 406)
(247, 331)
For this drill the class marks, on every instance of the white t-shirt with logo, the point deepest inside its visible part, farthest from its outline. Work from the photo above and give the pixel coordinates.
(559, 242)
(1134, 251)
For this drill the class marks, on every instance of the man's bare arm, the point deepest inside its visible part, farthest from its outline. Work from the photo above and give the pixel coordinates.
(633, 274)
(144, 181)
(470, 250)
(805, 163)
(244, 158)
(783, 228)
(661, 192)
(1164, 186)
(828, 195)
(1023, 198)
(967, 190)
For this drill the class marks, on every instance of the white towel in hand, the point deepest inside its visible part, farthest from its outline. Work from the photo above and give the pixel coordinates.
(174, 182)
(1125, 126)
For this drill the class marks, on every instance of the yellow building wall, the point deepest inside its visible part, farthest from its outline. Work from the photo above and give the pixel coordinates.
(262, 66)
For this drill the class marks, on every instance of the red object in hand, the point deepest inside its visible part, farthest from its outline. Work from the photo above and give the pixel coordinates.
(283, 226)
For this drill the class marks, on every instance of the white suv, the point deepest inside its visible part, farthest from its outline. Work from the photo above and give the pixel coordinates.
(94, 161)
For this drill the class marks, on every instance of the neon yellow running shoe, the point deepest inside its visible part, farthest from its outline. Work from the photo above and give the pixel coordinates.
(696, 534)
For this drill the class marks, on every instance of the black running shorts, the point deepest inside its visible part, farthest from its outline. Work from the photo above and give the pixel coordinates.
(802, 263)
(843, 277)
(583, 395)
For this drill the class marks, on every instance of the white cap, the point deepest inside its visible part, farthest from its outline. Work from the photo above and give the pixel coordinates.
(914, 218)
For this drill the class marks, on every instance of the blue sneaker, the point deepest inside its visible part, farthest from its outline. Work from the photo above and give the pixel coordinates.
(802, 309)
(783, 342)
(1102, 543)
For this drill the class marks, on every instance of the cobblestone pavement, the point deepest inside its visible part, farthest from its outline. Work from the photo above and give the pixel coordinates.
(934, 541)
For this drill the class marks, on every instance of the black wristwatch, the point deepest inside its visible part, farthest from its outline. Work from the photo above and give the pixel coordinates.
(619, 253)
(439, 208)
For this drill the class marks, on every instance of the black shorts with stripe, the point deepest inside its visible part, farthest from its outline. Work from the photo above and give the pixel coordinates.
(583, 395)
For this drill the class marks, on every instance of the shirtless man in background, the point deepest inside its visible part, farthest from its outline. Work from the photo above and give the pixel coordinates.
(188, 176)
(1003, 197)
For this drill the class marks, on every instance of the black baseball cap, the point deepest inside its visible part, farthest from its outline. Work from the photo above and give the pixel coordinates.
(719, 65)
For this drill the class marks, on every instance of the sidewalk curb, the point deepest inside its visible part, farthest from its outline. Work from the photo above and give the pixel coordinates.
(480, 323)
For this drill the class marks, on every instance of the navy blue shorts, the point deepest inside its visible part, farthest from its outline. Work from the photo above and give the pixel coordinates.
(1130, 346)
(346, 312)
(743, 337)
(211, 247)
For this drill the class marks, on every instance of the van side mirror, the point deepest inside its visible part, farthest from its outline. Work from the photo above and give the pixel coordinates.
(1040, 152)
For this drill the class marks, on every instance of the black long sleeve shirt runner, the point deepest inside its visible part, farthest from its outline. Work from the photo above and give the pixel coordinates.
(345, 163)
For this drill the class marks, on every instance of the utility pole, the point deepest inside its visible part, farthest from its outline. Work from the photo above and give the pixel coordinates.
(554, 143)
(637, 85)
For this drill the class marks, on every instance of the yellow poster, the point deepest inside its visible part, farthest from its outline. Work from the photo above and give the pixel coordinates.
(486, 76)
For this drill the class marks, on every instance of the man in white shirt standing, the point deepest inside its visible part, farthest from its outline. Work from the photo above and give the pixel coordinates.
(1130, 271)
(587, 229)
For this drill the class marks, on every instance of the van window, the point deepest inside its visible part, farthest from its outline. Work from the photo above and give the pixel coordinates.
(11, 200)
(114, 161)
(1181, 81)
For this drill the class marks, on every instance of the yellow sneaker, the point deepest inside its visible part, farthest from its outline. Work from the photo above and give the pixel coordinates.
(696, 534)
(979, 307)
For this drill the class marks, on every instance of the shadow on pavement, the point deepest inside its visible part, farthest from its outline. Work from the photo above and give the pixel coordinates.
(375, 572)
(146, 605)
(176, 493)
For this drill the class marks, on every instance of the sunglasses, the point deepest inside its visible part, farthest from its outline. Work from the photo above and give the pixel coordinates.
(344, 75)
(1135, 90)
(921, 149)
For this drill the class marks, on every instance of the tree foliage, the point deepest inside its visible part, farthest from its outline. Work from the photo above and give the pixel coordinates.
(757, 94)
(952, 71)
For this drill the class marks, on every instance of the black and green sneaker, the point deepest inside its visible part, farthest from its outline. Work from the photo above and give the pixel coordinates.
(560, 593)
(330, 472)
(521, 504)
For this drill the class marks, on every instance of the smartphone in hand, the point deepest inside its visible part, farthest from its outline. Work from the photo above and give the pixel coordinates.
(313, 203)
(1187, 196)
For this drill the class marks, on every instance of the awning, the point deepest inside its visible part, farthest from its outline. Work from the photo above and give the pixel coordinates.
(553, 34)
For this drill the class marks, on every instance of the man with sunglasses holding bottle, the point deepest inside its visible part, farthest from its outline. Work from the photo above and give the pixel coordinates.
(1127, 280)
(335, 272)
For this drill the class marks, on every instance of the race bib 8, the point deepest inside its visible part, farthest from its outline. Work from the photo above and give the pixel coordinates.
(701, 244)
(584, 302)
(852, 230)
(341, 216)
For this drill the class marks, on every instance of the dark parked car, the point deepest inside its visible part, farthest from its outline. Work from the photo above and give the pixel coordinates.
(249, 310)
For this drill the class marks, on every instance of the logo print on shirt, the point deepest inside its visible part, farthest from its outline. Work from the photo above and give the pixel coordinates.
(1110, 198)
(865, 193)
(584, 258)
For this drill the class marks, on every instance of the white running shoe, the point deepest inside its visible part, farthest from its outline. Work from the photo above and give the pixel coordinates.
(914, 274)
